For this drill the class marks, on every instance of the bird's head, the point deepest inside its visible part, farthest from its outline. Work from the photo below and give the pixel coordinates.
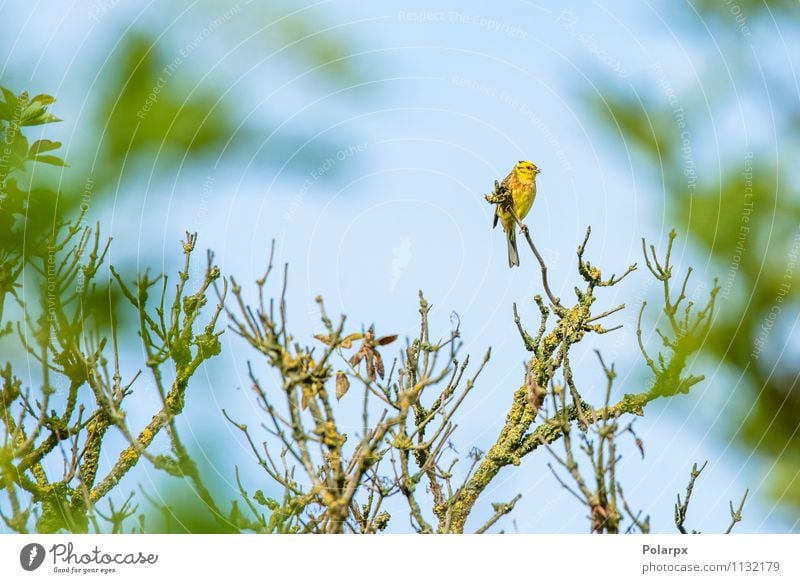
(526, 171)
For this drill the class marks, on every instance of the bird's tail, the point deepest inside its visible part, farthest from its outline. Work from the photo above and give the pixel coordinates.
(513, 256)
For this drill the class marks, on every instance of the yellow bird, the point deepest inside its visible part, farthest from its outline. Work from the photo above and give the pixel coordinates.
(521, 183)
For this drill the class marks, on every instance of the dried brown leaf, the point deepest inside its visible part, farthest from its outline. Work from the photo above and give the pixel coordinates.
(342, 384)
(378, 364)
(387, 340)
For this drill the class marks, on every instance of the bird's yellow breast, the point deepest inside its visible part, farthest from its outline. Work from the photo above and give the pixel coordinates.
(523, 199)
(523, 196)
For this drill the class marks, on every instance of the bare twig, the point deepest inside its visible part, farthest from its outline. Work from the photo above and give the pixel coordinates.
(681, 508)
(736, 515)
(500, 510)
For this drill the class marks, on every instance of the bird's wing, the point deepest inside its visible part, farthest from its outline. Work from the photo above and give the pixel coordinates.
(507, 185)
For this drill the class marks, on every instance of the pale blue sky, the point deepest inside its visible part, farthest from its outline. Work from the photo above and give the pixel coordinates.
(455, 94)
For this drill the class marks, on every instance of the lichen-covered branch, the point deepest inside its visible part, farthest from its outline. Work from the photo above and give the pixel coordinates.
(408, 414)
(82, 395)
(350, 427)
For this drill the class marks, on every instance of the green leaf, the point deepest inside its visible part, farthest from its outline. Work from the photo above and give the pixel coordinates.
(19, 151)
(33, 110)
(270, 503)
(44, 99)
(8, 105)
(43, 118)
(52, 160)
(40, 146)
(10, 98)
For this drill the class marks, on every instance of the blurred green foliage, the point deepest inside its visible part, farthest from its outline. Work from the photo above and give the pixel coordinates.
(155, 118)
(190, 89)
(155, 108)
(17, 112)
(745, 216)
